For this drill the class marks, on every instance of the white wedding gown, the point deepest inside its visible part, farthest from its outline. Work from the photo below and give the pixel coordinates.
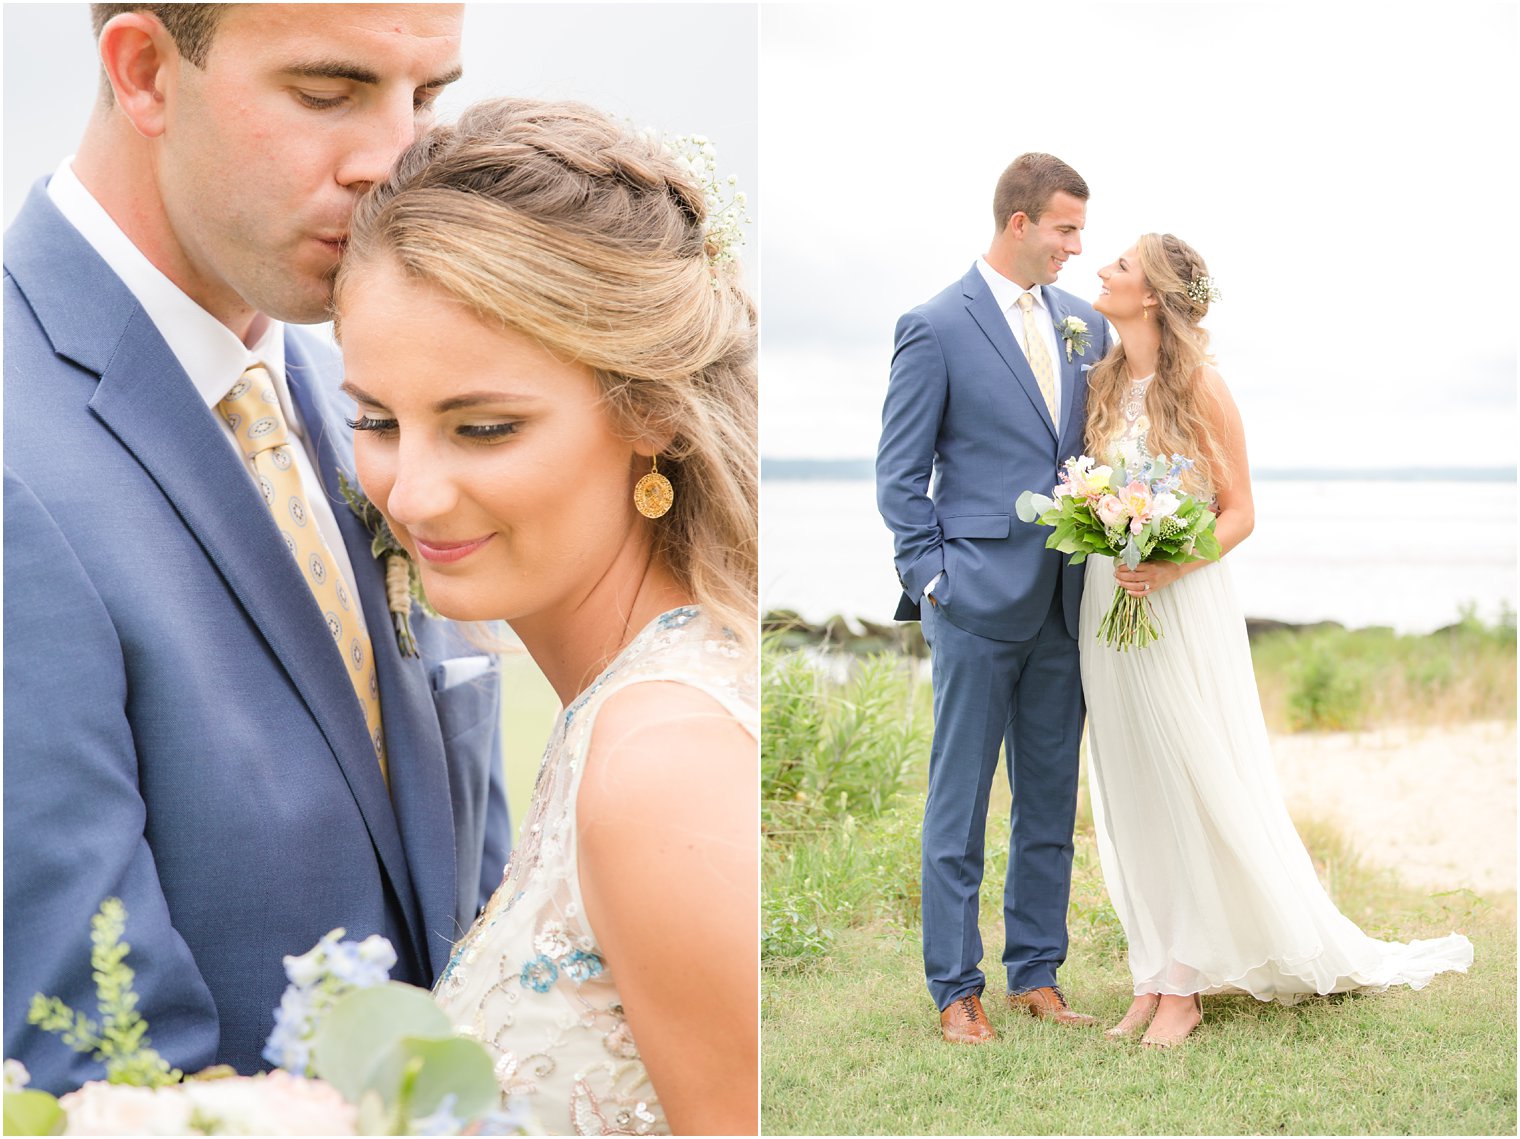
(530, 980)
(1210, 880)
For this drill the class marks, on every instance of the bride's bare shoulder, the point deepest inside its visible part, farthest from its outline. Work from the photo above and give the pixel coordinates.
(661, 743)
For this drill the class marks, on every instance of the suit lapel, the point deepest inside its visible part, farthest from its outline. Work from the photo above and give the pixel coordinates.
(418, 770)
(990, 319)
(148, 402)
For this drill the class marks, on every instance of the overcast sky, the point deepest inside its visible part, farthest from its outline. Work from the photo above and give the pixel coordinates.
(679, 68)
(1347, 170)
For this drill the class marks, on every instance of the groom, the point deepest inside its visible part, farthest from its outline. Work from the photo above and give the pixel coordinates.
(183, 729)
(988, 395)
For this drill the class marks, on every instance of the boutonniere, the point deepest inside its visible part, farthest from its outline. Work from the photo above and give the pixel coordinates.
(1073, 330)
(403, 581)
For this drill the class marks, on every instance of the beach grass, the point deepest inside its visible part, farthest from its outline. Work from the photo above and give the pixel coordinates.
(1310, 677)
(1334, 679)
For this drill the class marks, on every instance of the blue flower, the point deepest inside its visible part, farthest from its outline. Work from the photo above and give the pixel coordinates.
(362, 964)
(289, 1045)
(539, 974)
(318, 978)
(581, 967)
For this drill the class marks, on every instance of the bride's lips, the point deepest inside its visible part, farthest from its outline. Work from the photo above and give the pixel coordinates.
(445, 552)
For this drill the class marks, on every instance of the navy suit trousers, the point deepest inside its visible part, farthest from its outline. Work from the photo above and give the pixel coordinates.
(1025, 696)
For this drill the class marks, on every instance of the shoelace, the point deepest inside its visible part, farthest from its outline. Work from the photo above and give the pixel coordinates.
(968, 1006)
(1060, 996)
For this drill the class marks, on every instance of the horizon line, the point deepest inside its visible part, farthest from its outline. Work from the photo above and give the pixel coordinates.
(864, 468)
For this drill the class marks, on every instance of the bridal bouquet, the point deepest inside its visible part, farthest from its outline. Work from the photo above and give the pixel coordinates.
(357, 1054)
(1132, 514)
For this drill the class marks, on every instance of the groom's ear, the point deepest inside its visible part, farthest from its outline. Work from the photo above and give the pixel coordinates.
(140, 62)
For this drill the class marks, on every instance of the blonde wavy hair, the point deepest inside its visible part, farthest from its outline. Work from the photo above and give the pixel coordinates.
(1173, 400)
(553, 220)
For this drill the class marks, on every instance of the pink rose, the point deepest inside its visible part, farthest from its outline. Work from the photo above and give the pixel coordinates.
(1110, 510)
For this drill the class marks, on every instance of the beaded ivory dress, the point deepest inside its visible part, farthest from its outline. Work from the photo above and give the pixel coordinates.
(1210, 880)
(529, 980)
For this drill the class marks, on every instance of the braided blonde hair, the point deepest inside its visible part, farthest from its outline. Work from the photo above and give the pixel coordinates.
(1173, 400)
(551, 219)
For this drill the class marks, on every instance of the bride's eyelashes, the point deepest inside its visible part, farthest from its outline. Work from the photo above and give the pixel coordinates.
(479, 432)
(367, 423)
(488, 432)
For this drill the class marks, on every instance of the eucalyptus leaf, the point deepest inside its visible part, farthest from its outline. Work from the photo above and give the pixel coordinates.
(364, 1026)
(1131, 553)
(1029, 505)
(439, 1067)
(30, 1112)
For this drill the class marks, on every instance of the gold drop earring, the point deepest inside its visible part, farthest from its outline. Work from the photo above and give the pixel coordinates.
(653, 494)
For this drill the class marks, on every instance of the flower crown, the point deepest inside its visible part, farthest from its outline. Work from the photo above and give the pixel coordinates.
(721, 230)
(1202, 290)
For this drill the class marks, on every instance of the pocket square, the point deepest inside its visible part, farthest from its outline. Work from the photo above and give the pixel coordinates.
(460, 670)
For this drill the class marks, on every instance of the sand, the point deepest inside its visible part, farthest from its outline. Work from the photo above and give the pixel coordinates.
(1436, 805)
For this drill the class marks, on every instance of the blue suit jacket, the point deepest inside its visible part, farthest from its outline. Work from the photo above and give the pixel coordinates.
(963, 404)
(179, 731)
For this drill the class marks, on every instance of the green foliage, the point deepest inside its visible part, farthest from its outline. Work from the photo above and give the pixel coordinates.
(33, 1113)
(392, 1050)
(830, 749)
(1326, 692)
(1326, 678)
(120, 1040)
(841, 847)
(791, 721)
(791, 936)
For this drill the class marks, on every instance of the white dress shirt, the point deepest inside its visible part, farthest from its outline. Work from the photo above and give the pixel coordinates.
(211, 355)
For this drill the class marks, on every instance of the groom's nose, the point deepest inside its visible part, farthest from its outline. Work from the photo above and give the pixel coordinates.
(380, 134)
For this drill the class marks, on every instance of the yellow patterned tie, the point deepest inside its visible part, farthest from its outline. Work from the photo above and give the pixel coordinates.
(253, 410)
(1039, 359)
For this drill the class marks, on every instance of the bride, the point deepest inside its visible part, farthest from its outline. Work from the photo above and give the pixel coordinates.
(542, 324)
(1211, 882)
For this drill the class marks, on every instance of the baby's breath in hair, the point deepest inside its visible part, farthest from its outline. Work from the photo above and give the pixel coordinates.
(725, 202)
(1202, 290)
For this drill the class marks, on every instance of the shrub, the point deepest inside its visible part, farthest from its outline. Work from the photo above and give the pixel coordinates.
(831, 749)
(1326, 691)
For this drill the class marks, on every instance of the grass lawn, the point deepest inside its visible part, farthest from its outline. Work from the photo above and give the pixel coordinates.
(851, 1043)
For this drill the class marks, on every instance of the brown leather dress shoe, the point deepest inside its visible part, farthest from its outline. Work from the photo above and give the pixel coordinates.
(1048, 1003)
(964, 1022)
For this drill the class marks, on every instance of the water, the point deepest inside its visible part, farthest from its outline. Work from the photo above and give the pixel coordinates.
(1404, 554)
